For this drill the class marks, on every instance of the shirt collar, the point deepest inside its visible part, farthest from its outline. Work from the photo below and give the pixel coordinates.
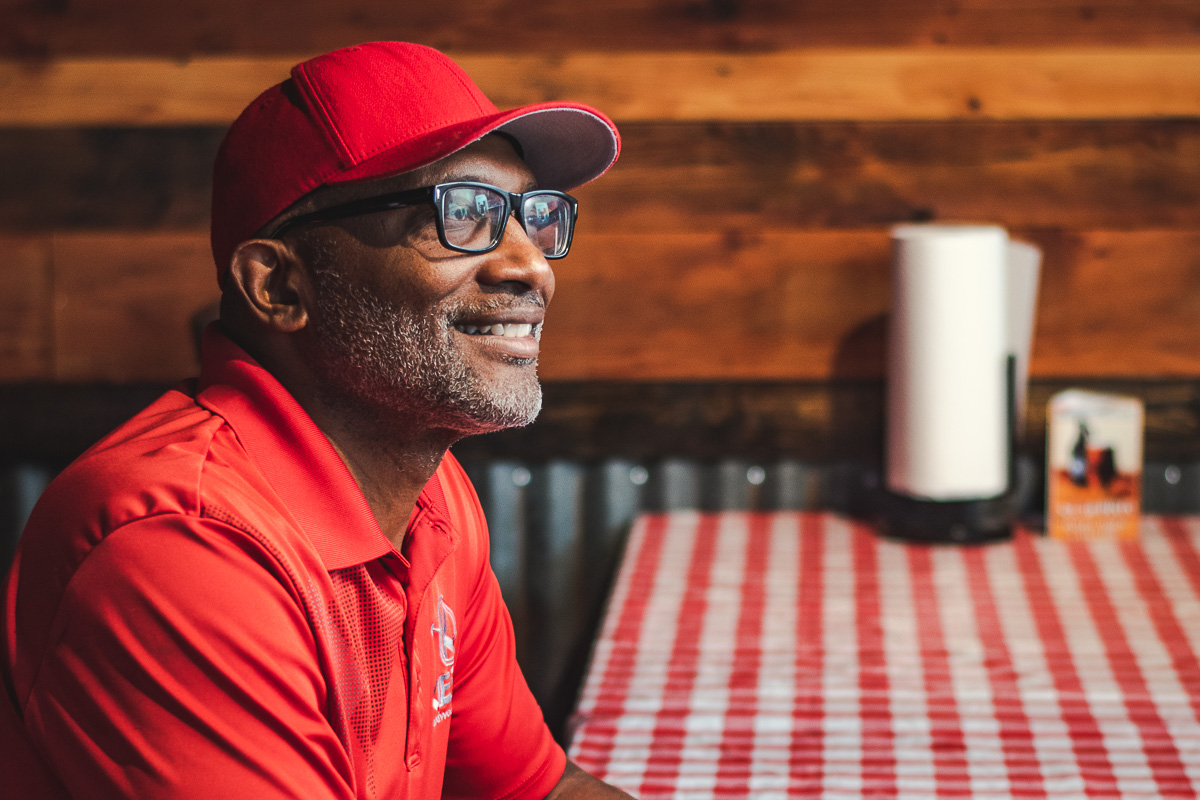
(293, 454)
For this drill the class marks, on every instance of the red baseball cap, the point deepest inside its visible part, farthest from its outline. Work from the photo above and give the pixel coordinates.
(379, 109)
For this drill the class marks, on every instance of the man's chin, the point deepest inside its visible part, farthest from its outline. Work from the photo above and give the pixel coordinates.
(497, 410)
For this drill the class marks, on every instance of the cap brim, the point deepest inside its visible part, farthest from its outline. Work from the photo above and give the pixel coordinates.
(565, 145)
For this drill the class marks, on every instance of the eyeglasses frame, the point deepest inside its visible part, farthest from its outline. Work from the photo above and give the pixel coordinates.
(406, 198)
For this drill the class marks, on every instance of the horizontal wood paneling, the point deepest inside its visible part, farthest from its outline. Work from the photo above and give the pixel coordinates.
(703, 306)
(742, 236)
(816, 84)
(676, 177)
(186, 27)
(123, 305)
(26, 298)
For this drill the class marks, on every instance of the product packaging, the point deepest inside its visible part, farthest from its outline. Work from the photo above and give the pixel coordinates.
(1093, 465)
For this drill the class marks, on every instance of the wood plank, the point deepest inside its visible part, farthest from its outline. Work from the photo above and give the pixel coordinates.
(812, 306)
(686, 307)
(124, 304)
(1083, 174)
(698, 306)
(188, 27)
(828, 421)
(1111, 299)
(140, 178)
(25, 308)
(818, 84)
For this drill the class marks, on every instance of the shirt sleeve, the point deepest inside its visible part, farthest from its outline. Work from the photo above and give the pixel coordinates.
(499, 744)
(181, 666)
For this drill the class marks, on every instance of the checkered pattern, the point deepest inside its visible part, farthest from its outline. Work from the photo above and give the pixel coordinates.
(797, 654)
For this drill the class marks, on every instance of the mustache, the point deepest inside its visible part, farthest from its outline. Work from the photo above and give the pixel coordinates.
(458, 313)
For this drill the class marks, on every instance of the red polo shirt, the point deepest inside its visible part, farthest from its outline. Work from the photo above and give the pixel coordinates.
(204, 606)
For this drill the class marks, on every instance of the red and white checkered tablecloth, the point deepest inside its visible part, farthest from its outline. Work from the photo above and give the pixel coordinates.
(798, 654)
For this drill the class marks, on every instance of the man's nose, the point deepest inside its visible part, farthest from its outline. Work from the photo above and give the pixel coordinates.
(518, 260)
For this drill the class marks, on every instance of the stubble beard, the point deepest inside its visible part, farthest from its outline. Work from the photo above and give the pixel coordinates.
(384, 361)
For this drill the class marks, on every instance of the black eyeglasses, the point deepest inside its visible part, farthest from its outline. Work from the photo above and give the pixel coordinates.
(471, 216)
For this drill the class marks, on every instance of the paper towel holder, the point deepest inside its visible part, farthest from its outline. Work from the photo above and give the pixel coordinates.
(959, 336)
(976, 520)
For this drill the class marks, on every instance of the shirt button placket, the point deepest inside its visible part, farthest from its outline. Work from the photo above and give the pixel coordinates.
(415, 715)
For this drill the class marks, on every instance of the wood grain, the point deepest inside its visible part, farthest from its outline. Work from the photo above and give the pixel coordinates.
(814, 84)
(826, 421)
(25, 308)
(124, 304)
(88, 178)
(188, 27)
(812, 306)
(1084, 174)
(1071, 174)
(729, 306)
(694, 306)
(1111, 299)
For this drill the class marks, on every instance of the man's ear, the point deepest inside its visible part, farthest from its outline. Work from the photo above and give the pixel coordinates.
(270, 283)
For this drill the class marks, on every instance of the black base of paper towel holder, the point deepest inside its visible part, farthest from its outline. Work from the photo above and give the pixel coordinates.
(976, 520)
(955, 521)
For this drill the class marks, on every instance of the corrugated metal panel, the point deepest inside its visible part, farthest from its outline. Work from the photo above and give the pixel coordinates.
(20, 487)
(1171, 487)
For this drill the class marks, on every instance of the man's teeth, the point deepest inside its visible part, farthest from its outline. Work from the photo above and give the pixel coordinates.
(512, 330)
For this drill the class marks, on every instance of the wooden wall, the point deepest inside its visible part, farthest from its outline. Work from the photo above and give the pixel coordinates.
(768, 147)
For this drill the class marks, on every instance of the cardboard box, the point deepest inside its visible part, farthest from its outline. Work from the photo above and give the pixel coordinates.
(1093, 465)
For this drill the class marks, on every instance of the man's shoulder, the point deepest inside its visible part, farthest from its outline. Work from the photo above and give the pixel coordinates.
(175, 457)
(174, 469)
(162, 446)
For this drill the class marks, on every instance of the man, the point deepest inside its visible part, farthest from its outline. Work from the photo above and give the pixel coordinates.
(274, 581)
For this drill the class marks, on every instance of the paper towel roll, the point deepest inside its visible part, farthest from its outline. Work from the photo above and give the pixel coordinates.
(947, 425)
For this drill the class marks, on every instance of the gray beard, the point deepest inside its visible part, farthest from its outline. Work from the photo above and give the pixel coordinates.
(384, 362)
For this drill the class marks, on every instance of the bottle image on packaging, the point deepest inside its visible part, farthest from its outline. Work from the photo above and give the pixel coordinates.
(1077, 466)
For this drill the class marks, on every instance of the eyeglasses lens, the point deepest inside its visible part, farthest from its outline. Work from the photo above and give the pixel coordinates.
(547, 219)
(472, 217)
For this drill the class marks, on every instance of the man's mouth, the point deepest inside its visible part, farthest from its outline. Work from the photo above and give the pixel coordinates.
(512, 330)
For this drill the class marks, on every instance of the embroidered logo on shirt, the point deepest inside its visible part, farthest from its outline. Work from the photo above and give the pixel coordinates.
(444, 630)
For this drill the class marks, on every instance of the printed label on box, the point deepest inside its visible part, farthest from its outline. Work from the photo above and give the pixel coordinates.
(1093, 465)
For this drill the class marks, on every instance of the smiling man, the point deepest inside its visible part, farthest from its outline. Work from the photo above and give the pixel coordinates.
(274, 581)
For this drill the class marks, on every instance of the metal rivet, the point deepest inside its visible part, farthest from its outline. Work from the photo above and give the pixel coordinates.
(1172, 474)
(756, 475)
(521, 476)
(638, 476)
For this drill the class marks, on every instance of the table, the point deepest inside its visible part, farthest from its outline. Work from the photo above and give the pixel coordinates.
(799, 654)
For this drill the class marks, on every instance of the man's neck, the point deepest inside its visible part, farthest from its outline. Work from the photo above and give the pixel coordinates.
(391, 455)
(391, 467)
